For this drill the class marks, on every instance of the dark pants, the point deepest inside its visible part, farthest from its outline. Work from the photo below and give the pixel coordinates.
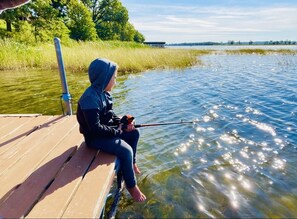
(124, 148)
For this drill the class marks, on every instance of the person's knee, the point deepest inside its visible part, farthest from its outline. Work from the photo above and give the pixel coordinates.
(126, 152)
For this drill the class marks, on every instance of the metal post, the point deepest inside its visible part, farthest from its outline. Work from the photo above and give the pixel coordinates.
(65, 95)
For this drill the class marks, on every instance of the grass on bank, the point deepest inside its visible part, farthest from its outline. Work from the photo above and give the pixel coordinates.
(131, 57)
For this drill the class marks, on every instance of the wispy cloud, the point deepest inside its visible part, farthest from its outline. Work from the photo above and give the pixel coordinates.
(178, 23)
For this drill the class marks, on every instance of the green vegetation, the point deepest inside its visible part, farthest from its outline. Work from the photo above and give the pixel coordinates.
(131, 57)
(85, 20)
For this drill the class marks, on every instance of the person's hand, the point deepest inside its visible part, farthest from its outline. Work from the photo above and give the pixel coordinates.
(120, 128)
(130, 127)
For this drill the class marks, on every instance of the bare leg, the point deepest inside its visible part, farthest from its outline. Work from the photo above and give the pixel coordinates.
(136, 194)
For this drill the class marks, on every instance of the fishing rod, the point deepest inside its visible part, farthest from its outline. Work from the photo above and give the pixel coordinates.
(128, 119)
(162, 123)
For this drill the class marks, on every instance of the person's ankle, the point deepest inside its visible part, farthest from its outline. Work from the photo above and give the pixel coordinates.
(136, 169)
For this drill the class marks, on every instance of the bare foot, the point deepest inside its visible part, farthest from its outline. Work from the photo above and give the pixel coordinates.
(136, 194)
(136, 169)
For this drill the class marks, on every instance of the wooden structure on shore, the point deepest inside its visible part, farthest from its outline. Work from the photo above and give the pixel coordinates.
(155, 44)
(48, 172)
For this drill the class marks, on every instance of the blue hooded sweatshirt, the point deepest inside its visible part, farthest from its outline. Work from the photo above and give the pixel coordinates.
(94, 110)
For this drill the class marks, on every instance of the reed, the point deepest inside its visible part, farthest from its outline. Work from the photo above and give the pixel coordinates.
(262, 51)
(131, 57)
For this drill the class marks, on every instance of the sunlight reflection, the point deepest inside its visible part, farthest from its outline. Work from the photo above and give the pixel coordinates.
(234, 201)
(200, 129)
(245, 184)
(244, 154)
(216, 162)
(263, 127)
(206, 118)
(187, 164)
(210, 177)
(229, 139)
(202, 208)
(219, 146)
(253, 111)
(279, 164)
(216, 107)
(227, 176)
(202, 160)
(261, 157)
(200, 140)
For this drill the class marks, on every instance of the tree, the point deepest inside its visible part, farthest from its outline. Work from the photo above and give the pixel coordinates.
(111, 19)
(138, 37)
(80, 22)
(5, 4)
(41, 20)
(14, 17)
(129, 33)
(46, 22)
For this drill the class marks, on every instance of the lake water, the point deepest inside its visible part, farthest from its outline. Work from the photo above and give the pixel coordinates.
(238, 159)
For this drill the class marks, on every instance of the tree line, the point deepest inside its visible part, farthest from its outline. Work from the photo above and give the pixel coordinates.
(81, 20)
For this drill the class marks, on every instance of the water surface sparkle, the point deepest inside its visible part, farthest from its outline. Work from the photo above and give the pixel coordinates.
(238, 158)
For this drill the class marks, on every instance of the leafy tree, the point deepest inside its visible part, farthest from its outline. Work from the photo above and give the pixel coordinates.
(129, 33)
(37, 17)
(41, 20)
(138, 37)
(46, 22)
(14, 17)
(80, 22)
(111, 19)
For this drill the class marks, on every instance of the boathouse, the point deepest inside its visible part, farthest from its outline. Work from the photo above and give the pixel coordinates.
(156, 44)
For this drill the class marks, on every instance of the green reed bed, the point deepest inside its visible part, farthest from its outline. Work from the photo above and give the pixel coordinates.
(262, 51)
(131, 57)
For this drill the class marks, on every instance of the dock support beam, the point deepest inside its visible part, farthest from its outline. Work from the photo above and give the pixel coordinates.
(65, 95)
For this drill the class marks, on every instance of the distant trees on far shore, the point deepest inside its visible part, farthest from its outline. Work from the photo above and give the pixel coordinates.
(271, 42)
(231, 42)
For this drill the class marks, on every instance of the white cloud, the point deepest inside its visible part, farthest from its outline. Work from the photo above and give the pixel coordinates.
(194, 24)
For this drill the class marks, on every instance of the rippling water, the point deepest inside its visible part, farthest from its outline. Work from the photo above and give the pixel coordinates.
(238, 159)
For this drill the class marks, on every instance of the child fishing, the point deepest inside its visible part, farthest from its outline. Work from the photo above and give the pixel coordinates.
(101, 127)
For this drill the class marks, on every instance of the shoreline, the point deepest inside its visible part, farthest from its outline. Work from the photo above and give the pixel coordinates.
(131, 57)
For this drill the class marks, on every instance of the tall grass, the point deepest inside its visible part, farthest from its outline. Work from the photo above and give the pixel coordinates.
(131, 57)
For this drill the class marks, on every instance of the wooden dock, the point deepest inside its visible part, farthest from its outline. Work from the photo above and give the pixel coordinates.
(48, 172)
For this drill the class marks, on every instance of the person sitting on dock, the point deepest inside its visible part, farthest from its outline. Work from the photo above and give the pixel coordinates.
(97, 120)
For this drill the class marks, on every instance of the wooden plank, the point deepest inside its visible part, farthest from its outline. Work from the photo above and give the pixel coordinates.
(10, 139)
(22, 199)
(22, 168)
(23, 122)
(6, 122)
(59, 194)
(19, 115)
(10, 157)
(96, 184)
(15, 205)
(15, 123)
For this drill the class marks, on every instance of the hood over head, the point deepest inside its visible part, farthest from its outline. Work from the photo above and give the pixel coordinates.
(100, 72)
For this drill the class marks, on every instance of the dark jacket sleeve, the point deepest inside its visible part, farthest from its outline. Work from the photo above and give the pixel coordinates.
(93, 127)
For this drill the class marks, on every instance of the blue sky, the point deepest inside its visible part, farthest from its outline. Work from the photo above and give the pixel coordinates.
(214, 20)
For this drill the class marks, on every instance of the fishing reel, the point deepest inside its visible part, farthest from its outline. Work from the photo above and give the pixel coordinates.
(126, 120)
